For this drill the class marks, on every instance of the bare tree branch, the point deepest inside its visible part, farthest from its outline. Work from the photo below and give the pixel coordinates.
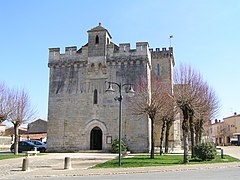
(194, 97)
(5, 102)
(149, 99)
(21, 112)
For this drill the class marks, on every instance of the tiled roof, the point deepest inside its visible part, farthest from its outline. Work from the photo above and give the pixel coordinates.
(10, 131)
(34, 136)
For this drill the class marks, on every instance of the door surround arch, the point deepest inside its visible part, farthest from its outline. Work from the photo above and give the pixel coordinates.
(90, 126)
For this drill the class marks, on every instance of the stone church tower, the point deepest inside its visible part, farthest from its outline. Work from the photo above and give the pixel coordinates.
(81, 116)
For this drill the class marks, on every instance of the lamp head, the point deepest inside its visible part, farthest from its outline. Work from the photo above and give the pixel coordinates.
(130, 92)
(110, 88)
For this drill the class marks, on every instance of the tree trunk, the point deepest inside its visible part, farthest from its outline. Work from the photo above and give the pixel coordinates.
(152, 139)
(200, 130)
(162, 136)
(196, 128)
(185, 144)
(16, 139)
(196, 135)
(185, 134)
(192, 133)
(168, 126)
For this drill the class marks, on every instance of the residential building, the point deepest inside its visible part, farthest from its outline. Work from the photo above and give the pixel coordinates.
(225, 132)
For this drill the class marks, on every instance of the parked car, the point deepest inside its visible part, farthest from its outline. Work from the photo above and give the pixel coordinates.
(27, 146)
(234, 142)
(38, 143)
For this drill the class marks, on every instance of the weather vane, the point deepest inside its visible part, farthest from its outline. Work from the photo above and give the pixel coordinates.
(170, 37)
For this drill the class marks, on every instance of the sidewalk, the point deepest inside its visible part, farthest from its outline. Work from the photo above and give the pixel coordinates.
(52, 165)
(233, 151)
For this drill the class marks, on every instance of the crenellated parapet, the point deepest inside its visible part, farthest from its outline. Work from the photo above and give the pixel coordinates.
(125, 48)
(162, 53)
(70, 57)
(123, 54)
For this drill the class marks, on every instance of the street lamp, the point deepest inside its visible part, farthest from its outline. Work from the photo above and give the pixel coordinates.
(119, 98)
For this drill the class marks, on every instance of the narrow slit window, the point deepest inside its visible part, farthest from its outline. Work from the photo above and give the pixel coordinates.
(95, 97)
(100, 66)
(158, 69)
(92, 67)
(97, 40)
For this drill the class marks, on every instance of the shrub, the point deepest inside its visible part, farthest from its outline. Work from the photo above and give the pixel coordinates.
(115, 146)
(205, 151)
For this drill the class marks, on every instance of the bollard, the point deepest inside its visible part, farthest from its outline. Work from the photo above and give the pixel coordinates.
(222, 153)
(67, 163)
(25, 164)
(35, 148)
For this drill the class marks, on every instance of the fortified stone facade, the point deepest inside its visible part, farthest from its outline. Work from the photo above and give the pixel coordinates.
(81, 115)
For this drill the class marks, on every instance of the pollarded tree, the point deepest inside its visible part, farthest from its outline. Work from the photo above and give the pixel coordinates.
(169, 122)
(206, 110)
(188, 85)
(5, 102)
(167, 116)
(203, 107)
(148, 100)
(21, 112)
(192, 115)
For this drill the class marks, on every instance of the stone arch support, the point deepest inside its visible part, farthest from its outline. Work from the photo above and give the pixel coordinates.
(96, 123)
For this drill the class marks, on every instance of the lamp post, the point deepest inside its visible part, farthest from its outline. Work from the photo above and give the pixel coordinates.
(119, 98)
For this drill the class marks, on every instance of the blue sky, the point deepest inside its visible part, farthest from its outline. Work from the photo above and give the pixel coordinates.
(206, 36)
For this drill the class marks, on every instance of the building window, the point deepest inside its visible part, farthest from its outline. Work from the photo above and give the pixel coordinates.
(95, 97)
(92, 67)
(100, 66)
(158, 69)
(228, 139)
(97, 40)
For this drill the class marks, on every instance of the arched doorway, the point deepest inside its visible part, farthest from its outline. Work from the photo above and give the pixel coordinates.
(96, 139)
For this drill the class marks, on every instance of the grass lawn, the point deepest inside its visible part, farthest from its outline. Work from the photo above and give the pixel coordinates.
(165, 160)
(10, 156)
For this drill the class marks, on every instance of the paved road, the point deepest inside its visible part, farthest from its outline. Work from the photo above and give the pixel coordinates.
(51, 165)
(210, 174)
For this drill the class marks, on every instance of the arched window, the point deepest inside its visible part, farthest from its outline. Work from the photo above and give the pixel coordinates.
(100, 66)
(97, 40)
(92, 67)
(95, 97)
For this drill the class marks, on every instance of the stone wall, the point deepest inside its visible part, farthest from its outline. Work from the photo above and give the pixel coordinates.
(5, 143)
(72, 113)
